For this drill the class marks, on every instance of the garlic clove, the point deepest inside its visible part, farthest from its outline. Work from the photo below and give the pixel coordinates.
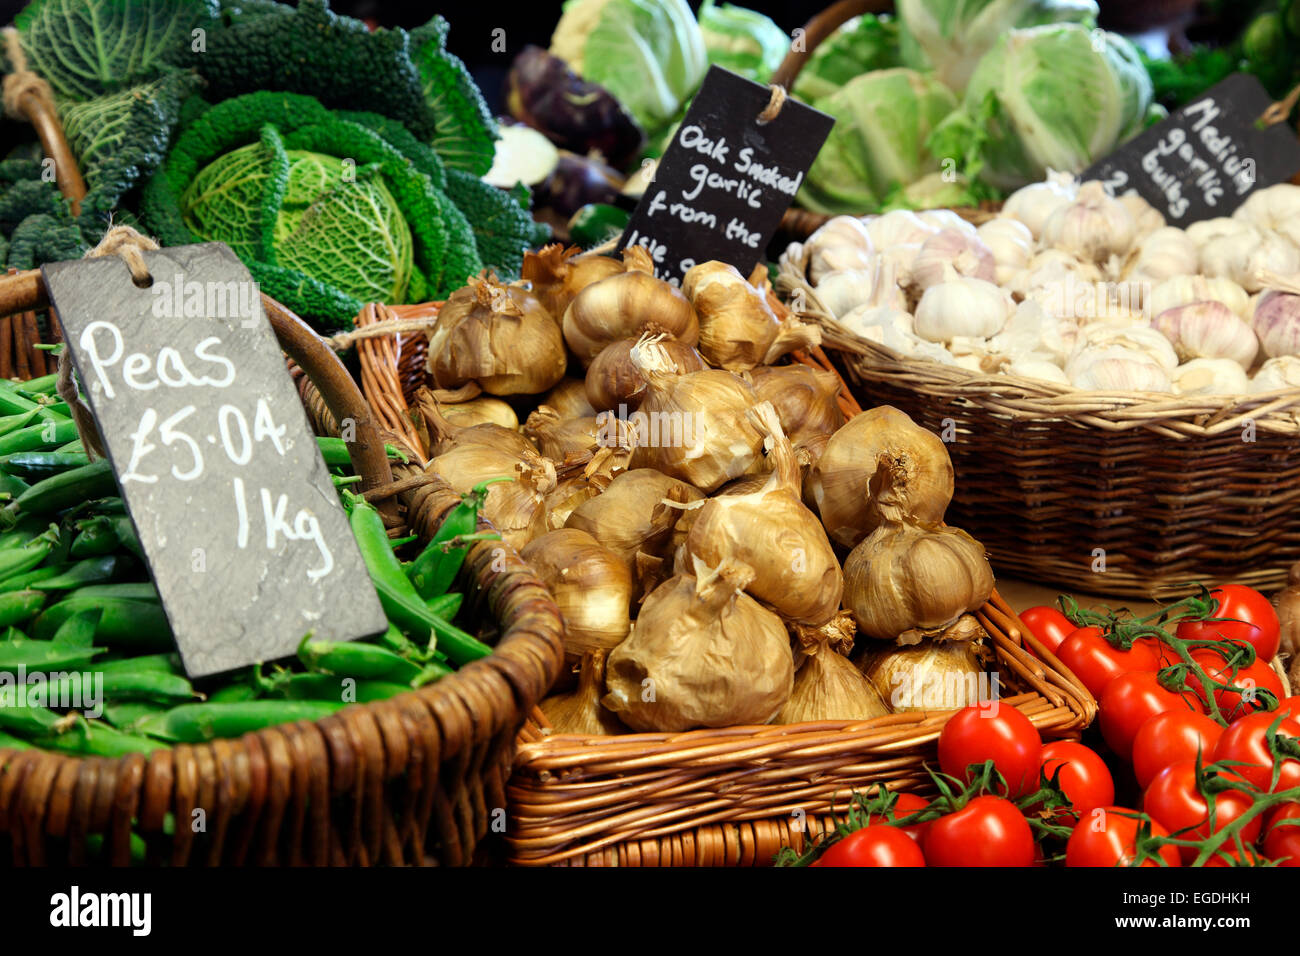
(1282, 372)
(1210, 376)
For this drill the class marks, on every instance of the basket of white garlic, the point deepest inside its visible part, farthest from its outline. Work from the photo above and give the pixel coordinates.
(1121, 397)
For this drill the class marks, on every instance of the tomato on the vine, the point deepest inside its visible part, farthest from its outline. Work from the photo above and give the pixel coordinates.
(1130, 700)
(877, 844)
(987, 831)
(1258, 676)
(906, 805)
(1246, 741)
(996, 732)
(1092, 659)
(1049, 625)
(1169, 737)
(1107, 837)
(1282, 843)
(1252, 620)
(1084, 776)
(1174, 801)
(1290, 706)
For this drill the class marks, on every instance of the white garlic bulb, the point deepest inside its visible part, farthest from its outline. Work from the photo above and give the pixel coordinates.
(879, 323)
(898, 227)
(1276, 320)
(1208, 330)
(1011, 243)
(1182, 290)
(1035, 203)
(1039, 368)
(945, 219)
(1166, 252)
(962, 306)
(844, 290)
(1274, 207)
(901, 259)
(1032, 330)
(1136, 338)
(1093, 227)
(841, 244)
(1146, 217)
(1210, 376)
(1207, 230)
(1113, 368)
(1243, 256)
(1276, 374)
(965, 252)
(1055, 277)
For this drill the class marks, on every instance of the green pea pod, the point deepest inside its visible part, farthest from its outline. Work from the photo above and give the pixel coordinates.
(89, 571)
(13, 743)
(11, 635)
(66, 489)
(446, 606)
(11, 486)
(20, 560)
(242, 690)
(43, 655)
(22, 533)
(399, 643)
(126, 714)
(95, 538)
(351, 659)
(128, 685)
(125, 532)
(35, 465)
(78, 630)
(18, 607)
(10, 423)
(143, 663)
(126, 624)
(20, 718)
(433, 571)
(31, 579)
(43, 385)
(331, 687)
(197, 723)
(431, 672)
(94, 739)
(335, 452)
(48, 434)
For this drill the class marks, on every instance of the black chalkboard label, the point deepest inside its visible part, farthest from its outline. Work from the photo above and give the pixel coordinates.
(239, 522)
(726, 179)
(1206, 158)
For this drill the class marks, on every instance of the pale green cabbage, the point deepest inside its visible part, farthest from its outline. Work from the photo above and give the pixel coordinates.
(743, 41)
(1057, 97)
(878, 143)
(950, 36)
(649, 53)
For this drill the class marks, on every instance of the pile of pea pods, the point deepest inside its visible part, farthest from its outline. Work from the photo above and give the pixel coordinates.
(77, 605)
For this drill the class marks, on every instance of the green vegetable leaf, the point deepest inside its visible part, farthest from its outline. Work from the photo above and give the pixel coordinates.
(502, 227)
(465, 132)
(861, 45)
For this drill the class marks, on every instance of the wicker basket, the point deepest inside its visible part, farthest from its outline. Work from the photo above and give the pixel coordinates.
(712, 797)
(416, 779)
(1126, 494)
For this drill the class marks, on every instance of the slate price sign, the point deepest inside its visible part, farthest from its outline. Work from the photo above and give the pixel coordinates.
(1207, 158)
(726, 178)
(240, 525)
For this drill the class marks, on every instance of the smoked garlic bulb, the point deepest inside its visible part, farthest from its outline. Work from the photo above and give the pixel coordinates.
(738, 329)
(805, 399)
(591, 585)
(614, 381)
(827, 685)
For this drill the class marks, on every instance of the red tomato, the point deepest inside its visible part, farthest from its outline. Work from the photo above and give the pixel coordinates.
(1257, 675)
(1129, 701)
(1252, 621)
(878, 844)
(1092, 659)
(988, 831)
(1049, 625)
(1085, 778)
(905, 806)
(1106, 838)
(994, 732)
(1229, 857)
(1173, 801)
(1245, 741)
(1289, 706)
(1170, 737)
(1283, 843)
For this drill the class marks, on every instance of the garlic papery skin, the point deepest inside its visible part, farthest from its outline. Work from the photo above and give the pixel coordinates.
(898, 227)
(629, 516)
(1011, 243)
(900, 260)
(1243, 257)
(1038, 368)
(1208, 330)
(1094, 227)
(738, 328)
(1049, 273)
(1274, 207)
(842, 292)
(1210, 376)
(1207, 230)
(1276, 374)
(965, 253)
(945, 219)
(1146, 217)
(1034, 204)
(1152, 343)
(1165, 253)
(964, 306)
(805, 399)
(883, 324)
(1276, 320)
(1113, 368)
(1032, 330)
(591, 585)
(841, 244)
(1184, 290)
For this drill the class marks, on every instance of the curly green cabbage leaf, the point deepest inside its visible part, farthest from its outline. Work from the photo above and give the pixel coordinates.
(882, 122)
(649, 53)
(950, 36)
(1055, 97)
(861, 45)
(743, 41)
